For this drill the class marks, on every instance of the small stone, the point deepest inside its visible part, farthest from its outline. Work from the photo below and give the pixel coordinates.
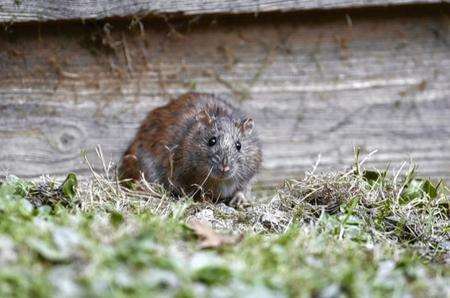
(63, 279)
(7, 251)
(67, 240)
(226, 209)
(205, 215)
(269, 221)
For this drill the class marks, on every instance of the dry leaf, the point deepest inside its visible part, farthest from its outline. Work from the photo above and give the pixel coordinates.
(210, 238)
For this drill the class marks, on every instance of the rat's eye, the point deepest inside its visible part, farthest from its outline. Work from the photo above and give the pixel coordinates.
(238, 146)
(212, 141)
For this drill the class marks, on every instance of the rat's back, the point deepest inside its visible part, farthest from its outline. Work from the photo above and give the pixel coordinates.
(161, 133)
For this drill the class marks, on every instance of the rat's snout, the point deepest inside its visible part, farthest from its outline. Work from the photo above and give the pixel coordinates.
(224, 166)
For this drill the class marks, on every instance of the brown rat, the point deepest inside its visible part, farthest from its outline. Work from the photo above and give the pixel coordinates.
(198, 144)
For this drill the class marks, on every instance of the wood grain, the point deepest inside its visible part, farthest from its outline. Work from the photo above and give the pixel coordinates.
(315, 87)
(45, 10)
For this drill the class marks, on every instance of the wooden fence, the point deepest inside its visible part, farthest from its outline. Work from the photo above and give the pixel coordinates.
(317, 82)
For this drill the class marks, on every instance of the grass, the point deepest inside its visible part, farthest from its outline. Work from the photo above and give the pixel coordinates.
(343, 234)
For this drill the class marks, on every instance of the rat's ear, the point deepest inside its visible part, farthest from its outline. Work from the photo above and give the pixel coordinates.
(246, 126)
(205, 118)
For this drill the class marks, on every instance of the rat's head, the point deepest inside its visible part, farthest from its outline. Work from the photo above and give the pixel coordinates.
(226, 147)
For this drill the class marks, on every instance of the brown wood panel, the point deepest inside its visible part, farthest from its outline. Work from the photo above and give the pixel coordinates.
(314, 87)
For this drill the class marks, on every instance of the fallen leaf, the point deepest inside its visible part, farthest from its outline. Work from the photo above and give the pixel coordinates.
(419, 188)
(210, 238)
(69, 186)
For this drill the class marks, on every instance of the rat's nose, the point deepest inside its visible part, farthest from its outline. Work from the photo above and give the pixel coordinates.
(223, 166)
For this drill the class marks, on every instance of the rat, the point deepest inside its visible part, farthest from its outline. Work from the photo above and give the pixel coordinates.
(199, 145)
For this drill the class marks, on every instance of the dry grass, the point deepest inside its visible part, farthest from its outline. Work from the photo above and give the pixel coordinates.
(353, 233)
(377, 206)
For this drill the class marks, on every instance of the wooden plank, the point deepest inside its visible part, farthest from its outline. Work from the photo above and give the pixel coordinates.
(44, 10)
(314, 88)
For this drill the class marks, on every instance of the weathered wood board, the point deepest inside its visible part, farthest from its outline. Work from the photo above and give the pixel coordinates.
(314, 85)
(44, 10)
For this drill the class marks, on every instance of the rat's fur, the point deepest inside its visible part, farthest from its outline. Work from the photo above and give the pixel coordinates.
(171, 147)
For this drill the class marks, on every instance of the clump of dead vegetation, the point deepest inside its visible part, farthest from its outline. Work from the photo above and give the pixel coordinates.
(366, 205)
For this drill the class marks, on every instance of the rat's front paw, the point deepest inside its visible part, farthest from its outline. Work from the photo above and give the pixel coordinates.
(239, 201)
